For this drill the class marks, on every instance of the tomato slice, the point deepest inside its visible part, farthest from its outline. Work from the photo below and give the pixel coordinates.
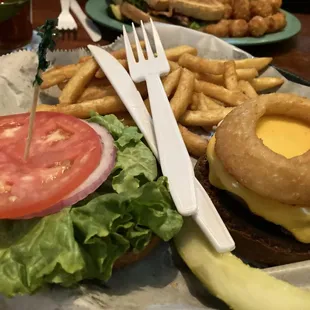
(63, 153)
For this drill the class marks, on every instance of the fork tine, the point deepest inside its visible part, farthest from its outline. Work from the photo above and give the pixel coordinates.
(138, 46)
(159, 47)
(129, 53)
(149, 50)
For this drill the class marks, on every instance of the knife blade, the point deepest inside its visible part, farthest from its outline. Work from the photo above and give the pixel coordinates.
(127, 91)
(92, 30)
(206, 216)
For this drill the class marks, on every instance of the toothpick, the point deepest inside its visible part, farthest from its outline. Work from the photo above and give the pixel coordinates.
(31, 121)
(47, 33)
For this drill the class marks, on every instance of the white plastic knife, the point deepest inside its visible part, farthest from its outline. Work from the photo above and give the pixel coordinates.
(92, 30)
(206, 216)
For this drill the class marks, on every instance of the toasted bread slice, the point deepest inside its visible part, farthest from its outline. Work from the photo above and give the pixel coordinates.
(207, 10)
(158, 5)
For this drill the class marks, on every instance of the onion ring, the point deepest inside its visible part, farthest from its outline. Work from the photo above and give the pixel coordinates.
(254, 165)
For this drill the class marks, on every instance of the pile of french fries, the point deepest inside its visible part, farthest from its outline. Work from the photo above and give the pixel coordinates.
(201, 91)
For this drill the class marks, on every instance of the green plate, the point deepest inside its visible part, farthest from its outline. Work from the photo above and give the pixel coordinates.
(97, 10)
(292, 28)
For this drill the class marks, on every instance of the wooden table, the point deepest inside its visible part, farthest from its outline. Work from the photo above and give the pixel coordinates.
(292, 55)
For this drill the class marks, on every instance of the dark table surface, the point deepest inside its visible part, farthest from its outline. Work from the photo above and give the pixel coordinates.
(292, 55)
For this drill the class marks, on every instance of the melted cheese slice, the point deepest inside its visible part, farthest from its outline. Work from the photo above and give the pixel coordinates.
(284, 136)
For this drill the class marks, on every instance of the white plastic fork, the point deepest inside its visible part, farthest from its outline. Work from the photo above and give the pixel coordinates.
(65, 19)
(206, 216)
(174, 159)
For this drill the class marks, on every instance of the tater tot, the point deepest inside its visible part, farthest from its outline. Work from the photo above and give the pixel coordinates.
(241, 9)
(276, 5)
(227, 11)
(257, 26)
(238, 28)
(230, 2)
(261, 8)
(221, 29)
(275, 22)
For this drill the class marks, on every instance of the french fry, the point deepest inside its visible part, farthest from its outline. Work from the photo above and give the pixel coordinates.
(216, 66)
(68, 70)
(62, 85)
(92, 83)
(201, 102)
(201, 65)
(97, 92)
(247, 74)
(85, 58)
(230, 75)
(106, 105)
(170, 83)
(175, 53)
(77, 83)
(257, 63)
(53, 68)
(195, 102)
(183, 95)
(242, 74)
(54, 77)
(217, 79)
(231, 98)
(211, 104)
(265, 83)
(126, 118)
(204, 103)
(47, 108)
(100, 74)
(195, 144)
(247, 89)
(173, 66)
(121, 53)
(118, 54)
(204, 118)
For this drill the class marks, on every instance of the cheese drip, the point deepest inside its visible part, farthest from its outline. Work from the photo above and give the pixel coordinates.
(289, 138)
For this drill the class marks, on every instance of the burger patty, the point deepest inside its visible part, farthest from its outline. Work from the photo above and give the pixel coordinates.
(130, 257)
(257, 240)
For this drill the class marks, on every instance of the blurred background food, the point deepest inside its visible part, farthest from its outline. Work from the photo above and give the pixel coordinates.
(222, 18)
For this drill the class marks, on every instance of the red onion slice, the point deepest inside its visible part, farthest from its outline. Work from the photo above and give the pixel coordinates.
(93, 182)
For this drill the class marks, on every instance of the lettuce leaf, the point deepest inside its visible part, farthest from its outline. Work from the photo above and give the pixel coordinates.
(84, 241)
(135, 163)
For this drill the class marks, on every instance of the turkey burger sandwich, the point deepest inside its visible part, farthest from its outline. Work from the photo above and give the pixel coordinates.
(257, 172)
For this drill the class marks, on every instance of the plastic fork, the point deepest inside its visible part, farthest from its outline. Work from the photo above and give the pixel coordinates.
(65, 19)
(206, 216)
(174, 159)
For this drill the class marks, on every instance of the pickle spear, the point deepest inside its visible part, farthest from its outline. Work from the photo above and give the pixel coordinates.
(228, 278)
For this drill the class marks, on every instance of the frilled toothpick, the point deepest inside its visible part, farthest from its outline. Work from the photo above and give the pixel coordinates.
(48, 33)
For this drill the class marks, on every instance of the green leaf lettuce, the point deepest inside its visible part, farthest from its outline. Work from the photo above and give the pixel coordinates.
(84, 241)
